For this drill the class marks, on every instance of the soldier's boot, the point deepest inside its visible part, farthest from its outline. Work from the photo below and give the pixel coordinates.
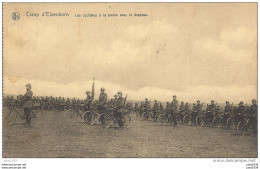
(29, 122)
(120, 123)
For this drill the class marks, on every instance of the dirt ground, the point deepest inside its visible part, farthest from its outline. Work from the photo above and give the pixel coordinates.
(55, 137)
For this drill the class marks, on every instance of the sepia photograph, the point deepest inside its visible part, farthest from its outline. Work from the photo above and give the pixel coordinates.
(130, 80)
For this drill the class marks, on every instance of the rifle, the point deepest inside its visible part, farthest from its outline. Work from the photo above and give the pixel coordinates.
(125, 99)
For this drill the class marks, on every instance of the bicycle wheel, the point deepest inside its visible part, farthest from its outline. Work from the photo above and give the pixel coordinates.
(231, 124)
(104, 120)
(200, 120)
(86, 118)
(240, 127)
(177, 118)
(89, 118)
(37, 117)
(156, 116)
(248, 128)
(9, 118)
(162, 120)
(127, 120)
(170, 119)
(217, 122)
(146, 116)
(186, 120)
(72, 116)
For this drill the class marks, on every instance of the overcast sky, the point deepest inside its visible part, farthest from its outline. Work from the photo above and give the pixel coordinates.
(196, 51)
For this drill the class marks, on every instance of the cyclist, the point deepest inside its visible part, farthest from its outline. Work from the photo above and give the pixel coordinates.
(174, 112)
(120, 110)
(27, 104)
(253, 116)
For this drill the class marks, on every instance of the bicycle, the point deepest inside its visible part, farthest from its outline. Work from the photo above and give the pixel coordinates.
(245, 126)
(14, 113)
(108, 118)
(90, 117)
(74, 114)
(205, 119)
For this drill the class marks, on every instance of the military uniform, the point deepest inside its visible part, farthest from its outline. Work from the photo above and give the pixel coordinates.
(147, 106)
(155, 109)
(27, 105)
(241, 109)
(211, 112)
(182, 111)
(88, 102)
(198, 107)
(120, 111)
(103, 98)
(27, 99)
(174, 112)
(186, 108)
(174, 105)
(253, 109)
(253, 117)
(168, 108)
(161, 107)
(228, 108)
(212, 108)
(102, 102)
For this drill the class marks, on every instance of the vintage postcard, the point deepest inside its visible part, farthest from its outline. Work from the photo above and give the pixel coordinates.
(130, 80)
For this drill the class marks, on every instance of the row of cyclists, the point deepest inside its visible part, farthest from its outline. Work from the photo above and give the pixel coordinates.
(47, 103)
(173, 109)
(183, 112)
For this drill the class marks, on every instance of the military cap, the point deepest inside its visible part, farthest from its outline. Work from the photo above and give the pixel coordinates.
(102, 89)
(241, 103)
(146, 99)
(254, 100)
(198, 101)
(155, 100)
(87, 92)
(174, 96)
(119, 92)
(28, 85)
(212, 101)
(227, 102)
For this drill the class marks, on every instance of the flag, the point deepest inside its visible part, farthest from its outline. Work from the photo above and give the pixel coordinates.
(93, 90)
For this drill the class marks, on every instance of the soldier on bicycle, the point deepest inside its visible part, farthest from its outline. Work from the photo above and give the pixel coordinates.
(227, 110)
(141, 109)
(211, 111)
(113, 101)
(195, 111)
(160, 107)
(241, 108)
(168, 109)
(228, 107)
(240, 111)
(253, 116)
(146, 105)
(186, 107)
